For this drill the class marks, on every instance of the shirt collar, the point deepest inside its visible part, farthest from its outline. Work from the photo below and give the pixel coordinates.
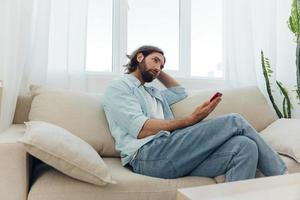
(137, 83)
(134, 80)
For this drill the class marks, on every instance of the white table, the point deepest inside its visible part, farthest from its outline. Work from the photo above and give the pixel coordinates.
(286, 187)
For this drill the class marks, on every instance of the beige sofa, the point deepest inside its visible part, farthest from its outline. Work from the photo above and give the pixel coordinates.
(24, 177)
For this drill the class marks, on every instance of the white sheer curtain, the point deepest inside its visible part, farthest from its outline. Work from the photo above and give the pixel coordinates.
(264, 22)
(21, 23)
(249, 26)
(238, 43)
(67, 40)
(252, 26)
(42, 42)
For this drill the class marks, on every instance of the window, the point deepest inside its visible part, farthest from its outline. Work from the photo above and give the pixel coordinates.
(189, 31)
(206, 37)
(99, 36)
(155, 22)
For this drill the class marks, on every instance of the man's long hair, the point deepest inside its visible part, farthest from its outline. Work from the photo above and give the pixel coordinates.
(145, 50)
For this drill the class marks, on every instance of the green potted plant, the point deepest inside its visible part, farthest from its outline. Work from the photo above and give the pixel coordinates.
(294, 26)
(286, 103)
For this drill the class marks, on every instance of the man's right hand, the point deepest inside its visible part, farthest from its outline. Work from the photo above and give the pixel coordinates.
(153, 126)
(203, 111)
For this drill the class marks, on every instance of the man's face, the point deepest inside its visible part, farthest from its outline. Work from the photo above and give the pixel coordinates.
(151, 66)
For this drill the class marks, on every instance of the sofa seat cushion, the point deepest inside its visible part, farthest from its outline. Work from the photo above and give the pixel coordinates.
(50, 184)
(292, 165)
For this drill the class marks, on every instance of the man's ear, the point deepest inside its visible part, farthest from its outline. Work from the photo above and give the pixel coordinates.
(140, 57)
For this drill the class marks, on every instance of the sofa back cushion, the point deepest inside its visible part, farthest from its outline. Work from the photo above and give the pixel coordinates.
(82, 113)
(248, 102)
(78, 112)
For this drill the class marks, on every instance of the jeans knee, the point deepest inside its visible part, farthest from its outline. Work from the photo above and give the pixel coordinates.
(236, 116)
(238, 121)
(252, 149)
(247, 147)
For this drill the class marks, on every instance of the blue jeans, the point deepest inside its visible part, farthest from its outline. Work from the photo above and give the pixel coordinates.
(226, 145)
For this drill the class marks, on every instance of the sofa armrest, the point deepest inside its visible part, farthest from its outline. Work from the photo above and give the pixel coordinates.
(15, 165)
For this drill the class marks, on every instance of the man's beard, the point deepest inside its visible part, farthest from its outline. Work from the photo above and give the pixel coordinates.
(146, 75)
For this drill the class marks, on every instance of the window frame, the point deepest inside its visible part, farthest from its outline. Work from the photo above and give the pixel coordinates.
(119, 43)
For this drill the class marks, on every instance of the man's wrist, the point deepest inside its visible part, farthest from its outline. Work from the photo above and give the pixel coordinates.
(188, 121)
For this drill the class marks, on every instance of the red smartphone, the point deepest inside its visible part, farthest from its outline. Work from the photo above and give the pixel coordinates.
(217, 94)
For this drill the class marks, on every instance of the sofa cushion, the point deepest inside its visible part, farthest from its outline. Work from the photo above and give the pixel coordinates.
(221, 178)
(14, 165)
(78, 112)
(51, 184)
(22, 109)
(292, 165)
(248, 102)
(283, 136)
(66, 152)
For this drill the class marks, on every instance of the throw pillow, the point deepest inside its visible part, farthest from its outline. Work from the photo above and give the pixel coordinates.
(66, 152)
(283, 136)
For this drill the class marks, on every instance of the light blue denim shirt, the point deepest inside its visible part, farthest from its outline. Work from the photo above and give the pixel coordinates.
(126, 111)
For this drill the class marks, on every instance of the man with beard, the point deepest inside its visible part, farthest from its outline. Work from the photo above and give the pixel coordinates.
(153, 143)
